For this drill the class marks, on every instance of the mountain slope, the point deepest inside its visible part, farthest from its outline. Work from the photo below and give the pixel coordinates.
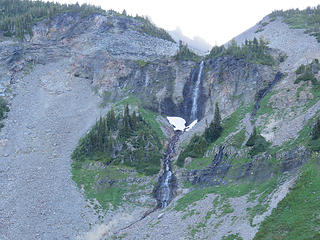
(75, 67)
(51, 107)
(47, 117)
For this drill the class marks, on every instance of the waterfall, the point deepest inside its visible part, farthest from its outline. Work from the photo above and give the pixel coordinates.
(262, 93)
(164, 190)
(195, 96)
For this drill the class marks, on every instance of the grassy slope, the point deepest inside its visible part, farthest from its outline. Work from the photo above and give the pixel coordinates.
(298, 214)
(228, 191)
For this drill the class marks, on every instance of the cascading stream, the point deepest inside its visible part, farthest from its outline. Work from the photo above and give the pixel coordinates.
(164, 191)
(264, 92)
(195, 96)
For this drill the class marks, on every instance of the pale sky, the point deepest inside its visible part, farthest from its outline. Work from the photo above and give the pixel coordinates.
(216, 21)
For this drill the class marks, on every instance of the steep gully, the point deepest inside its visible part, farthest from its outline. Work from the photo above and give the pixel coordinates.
(167, 181)
(262, 93)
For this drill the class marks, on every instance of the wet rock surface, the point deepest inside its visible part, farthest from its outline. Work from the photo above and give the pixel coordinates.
(164, 191)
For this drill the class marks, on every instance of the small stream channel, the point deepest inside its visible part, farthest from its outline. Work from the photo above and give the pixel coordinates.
(167, 181)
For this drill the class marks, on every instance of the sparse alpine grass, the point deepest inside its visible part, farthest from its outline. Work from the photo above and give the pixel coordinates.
(297, 215)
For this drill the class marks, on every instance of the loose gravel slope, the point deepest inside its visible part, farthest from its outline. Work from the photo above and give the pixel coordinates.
(38, 199)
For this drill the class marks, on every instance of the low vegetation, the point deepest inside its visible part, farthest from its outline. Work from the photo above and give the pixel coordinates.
(297, 215)
(307, 19)
(314, 142)
(232, 237)
(228, 191)
(307, 73)
(238, 138)
(255, 51)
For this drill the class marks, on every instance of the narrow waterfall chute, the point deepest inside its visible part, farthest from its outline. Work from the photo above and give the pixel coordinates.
(195, 96)
(164, 191)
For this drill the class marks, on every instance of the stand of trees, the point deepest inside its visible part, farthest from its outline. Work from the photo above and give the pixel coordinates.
(123, 139)
(184, 53)
(254, 51)
(18, 16)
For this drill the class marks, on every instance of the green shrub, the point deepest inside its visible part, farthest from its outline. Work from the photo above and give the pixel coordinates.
(301, 69)
(257, 142)
(3, 108)
(196, 149)
(238, 138)
(260, 145)
(142, 63)
(314, 142)
(306, 73)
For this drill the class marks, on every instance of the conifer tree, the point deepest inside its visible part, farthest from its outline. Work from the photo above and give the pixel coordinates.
(316, 130)
(252, 138)
(213, 132)
(134, 121)
(126, 128)
(111, 120)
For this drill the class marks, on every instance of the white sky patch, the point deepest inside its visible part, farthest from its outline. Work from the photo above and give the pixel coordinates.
(215, 21)
(180, 124)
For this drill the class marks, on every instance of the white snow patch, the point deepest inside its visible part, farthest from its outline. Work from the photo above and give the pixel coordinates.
(180, 124)
(191, 125)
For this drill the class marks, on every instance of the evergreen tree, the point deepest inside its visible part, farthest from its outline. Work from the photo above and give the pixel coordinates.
(316, 130)
(252, 138)
(111, 120)
(213, 132)
(258, 143)
(126, 126)
(134, 121)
